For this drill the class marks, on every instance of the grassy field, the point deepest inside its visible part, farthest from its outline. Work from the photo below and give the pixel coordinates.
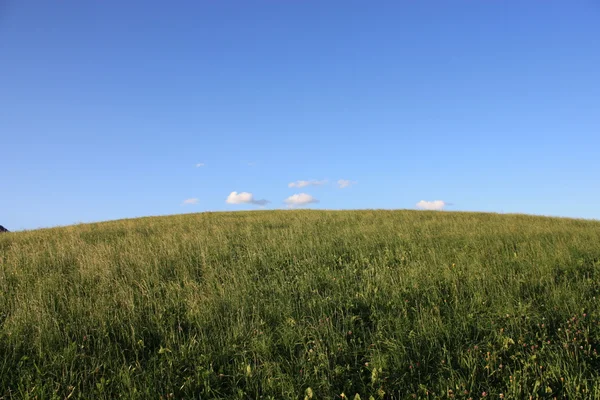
(303, 305)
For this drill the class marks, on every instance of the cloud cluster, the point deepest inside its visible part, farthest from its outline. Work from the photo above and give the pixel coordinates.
(296, 200)
(432, 205)
(344, 183)
(244, 198)
(299, 200)
(304, 199)
(301, 184)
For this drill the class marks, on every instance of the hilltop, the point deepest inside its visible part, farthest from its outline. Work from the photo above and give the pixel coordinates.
(303, 304)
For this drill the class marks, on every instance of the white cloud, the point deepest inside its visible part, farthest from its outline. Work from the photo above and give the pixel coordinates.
(244, 198)
(301, 184)
(431, 205)
(200, 165)
(344, 183)
(300, 199)
(190, 201)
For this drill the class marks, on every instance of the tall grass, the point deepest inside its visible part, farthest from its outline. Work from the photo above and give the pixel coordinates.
(303, 304)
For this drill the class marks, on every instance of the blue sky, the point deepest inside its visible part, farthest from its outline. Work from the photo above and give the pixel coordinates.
(106, 106)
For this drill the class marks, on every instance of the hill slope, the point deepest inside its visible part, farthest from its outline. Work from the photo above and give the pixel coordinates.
(287, 304)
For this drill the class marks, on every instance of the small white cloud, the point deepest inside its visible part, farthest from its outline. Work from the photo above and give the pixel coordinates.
(344, 183)
(201, 164)
(299, 200)
(301, 184)
(244, 198)
(432, 205)
(190, 201)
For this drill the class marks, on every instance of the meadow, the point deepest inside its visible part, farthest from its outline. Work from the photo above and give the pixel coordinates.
(303, 305)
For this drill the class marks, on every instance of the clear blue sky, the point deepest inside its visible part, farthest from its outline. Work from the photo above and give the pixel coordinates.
(107, 106)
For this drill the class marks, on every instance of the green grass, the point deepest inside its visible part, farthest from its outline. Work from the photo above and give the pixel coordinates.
(294, 304)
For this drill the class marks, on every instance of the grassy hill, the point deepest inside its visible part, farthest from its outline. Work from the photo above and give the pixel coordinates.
(303, 304)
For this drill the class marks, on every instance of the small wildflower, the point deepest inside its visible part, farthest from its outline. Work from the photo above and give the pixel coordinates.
(309, 393)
